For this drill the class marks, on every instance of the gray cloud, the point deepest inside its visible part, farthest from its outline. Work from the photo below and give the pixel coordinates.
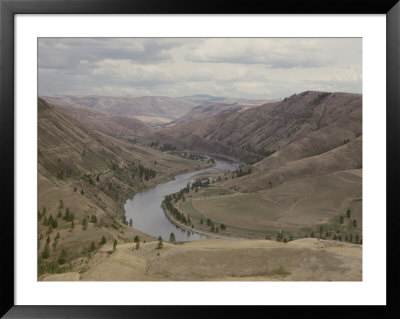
(233, 67)
(66, 53)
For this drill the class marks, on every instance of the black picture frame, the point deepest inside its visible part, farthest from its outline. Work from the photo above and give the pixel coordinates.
(9, 8)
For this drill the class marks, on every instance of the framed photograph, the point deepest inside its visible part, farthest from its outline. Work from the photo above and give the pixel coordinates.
(160, 154)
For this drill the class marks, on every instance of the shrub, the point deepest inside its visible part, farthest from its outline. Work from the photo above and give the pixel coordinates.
(160, 243)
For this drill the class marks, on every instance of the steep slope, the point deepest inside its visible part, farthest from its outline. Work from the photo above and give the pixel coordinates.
(153, 110)
(306, 124)
(113, 125)
(90, 175)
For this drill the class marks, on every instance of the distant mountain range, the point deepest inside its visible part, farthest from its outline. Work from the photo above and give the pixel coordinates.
(152, 110)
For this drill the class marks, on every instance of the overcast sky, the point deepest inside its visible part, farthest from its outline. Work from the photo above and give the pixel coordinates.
(254, 68)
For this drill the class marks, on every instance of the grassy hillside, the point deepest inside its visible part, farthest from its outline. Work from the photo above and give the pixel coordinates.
(85, 177)
(220, 260)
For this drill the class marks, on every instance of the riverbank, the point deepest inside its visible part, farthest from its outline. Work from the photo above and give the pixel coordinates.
(147, 214)
(127, 195)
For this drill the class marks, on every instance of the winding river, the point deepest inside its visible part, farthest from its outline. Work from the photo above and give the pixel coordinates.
(145, 207)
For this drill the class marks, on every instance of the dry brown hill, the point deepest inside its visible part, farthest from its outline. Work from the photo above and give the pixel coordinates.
(305, 124)
(90, 175)
(118, 126)
(221, 260)
(153, 110)
(210, 109)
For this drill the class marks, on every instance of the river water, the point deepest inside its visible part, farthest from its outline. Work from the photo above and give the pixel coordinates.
(145, 208)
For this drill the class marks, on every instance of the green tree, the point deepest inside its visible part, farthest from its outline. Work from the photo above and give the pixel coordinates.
(160, 243)
(72, 224)
(136, 239)
(61, 206)
(62, 259)
(354, 223)
(172, 237)
(93, 219)
(130, 222)
(46, 251)
(208, 222)
(45, 221)
(75, 189)
(279, 237)
(137, 245)
(341, 220)
(59, 215)
(84, 223)
(357, 239)
(97, 178)
(92, 247)
(348, 213)
(82, 192)
(103, 240)
(115, 245)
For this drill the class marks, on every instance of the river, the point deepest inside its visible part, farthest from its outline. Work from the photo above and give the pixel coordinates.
(145, 207)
